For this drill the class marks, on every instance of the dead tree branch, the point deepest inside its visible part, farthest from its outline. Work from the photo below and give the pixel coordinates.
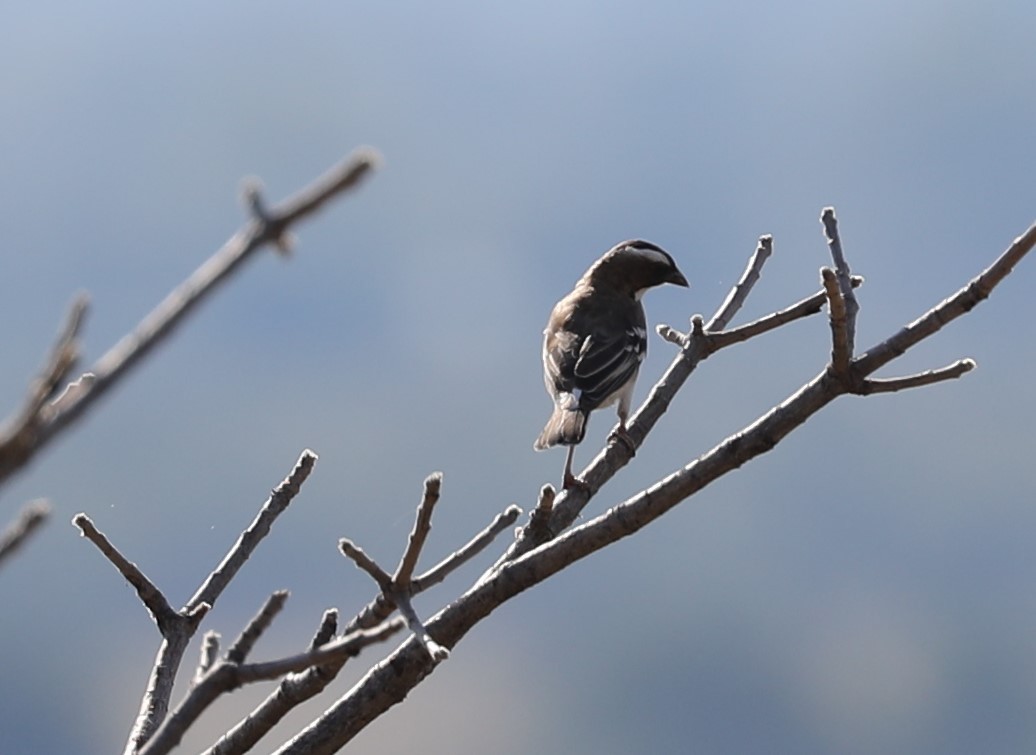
(390, 681)
(47, 411)
(309, 679)
(178, 627)
(232, 672)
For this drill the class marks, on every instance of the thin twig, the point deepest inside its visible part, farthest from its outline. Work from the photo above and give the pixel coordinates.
(739, 293)
(418, 536)
(158, 693)
(406, 609)
(844, 274)
(888, 385)
(811, 305)
(29, 519)
(249, 540)
(19, 436)
(465, 553)
(358, 556)
(117, 362)
(977, 290)
(167, 618)
(260, 623)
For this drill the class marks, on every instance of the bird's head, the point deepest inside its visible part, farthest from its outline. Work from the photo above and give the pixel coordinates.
(635, 266)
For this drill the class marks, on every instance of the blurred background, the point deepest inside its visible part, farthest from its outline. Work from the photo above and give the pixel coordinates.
(867, 587)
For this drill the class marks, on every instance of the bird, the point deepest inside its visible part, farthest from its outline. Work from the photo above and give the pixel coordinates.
(595, 341)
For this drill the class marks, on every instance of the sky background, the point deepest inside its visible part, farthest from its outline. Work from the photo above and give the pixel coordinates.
(867, 587)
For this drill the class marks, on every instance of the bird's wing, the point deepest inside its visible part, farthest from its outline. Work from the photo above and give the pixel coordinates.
(606, 364)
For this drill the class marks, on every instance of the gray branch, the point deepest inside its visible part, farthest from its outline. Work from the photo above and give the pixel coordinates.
(391, 680)
(35, 427)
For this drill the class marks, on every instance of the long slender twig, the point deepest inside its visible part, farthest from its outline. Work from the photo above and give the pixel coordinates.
(270, 227)
(177, 632)
(154, 600)
(843, 274)
(358, 556)
(250, 538)
(928, 377)
(811, 305)
(243, 645)
(739, 293)
(419, 534)
(466, 552)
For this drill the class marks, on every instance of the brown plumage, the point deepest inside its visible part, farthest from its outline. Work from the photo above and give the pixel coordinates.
(595, 340)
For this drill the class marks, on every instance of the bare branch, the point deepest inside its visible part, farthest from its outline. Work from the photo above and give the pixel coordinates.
(249, 540)
(809, 306)
(391, 680)
(270, 228)
(948, 310)
(739, 293)
(422, 526)
(382, 607)
(310, 675)
(20, 435)
(357, 555)
(465, 553)
(844, 274)
(227, 676)
(326, 631)
(164, 615)
(435, 651)
(29, 519)
(841, 342)
(155, 702)
(888, 385)
(260, 623)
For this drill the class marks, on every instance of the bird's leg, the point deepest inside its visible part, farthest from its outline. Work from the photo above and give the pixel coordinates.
(569, 480)
(620, 434)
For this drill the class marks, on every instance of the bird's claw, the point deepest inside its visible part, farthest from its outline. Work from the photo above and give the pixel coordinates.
(572, 482)
(621, 435)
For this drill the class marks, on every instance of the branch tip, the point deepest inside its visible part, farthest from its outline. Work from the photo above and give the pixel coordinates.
(32, 515)
(670, 335)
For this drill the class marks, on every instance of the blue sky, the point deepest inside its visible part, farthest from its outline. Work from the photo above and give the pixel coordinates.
(865, 587)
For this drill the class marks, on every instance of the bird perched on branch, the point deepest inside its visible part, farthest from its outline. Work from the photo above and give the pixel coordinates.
(595, 340)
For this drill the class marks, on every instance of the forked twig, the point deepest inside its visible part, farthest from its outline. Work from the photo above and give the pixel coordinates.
(391, 680)
(178, 627)
(37, 425)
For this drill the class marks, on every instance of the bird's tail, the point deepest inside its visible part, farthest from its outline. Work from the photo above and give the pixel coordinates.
(565, 427)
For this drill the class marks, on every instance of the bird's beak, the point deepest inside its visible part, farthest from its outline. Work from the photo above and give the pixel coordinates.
(677, 279)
